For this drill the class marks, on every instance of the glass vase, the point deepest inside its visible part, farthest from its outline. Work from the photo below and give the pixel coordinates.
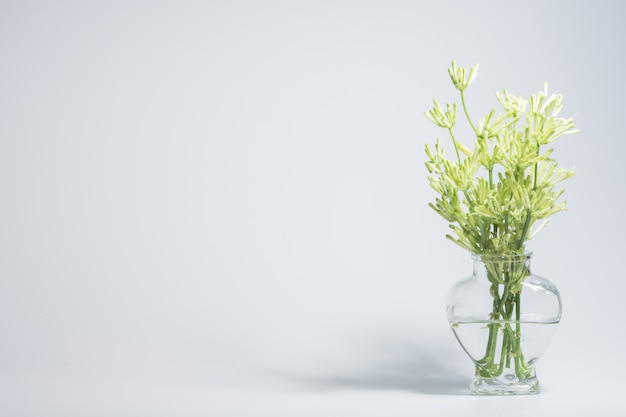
(504, 317)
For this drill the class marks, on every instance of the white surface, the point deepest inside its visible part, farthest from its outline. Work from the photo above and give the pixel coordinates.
(220, 208)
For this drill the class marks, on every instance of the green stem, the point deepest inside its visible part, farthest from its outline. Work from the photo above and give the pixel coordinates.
(520, 366)
(458, 157)
(456, 148)
(504, 307)
(486, 363)
(525, 231)
(536, 170)
(466, 113)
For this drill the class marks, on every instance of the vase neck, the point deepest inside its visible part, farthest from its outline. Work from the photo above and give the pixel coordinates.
(502, 269)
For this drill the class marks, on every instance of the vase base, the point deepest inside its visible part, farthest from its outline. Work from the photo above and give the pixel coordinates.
(487, 386)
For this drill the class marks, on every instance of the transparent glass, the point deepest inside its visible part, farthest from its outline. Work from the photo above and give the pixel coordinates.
(504, 317)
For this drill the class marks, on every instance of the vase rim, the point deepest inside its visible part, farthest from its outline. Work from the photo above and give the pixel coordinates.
(526, 256)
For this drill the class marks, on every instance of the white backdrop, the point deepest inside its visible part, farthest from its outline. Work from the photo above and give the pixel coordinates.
(220, 208)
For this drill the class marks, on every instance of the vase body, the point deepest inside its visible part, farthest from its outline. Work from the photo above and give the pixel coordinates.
(504, 317)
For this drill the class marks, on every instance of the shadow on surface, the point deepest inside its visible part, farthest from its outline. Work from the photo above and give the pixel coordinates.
(399, 366)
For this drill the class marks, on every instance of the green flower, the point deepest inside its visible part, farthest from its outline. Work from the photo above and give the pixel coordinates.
(457, 75)
(493, 193)
(443, 119)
